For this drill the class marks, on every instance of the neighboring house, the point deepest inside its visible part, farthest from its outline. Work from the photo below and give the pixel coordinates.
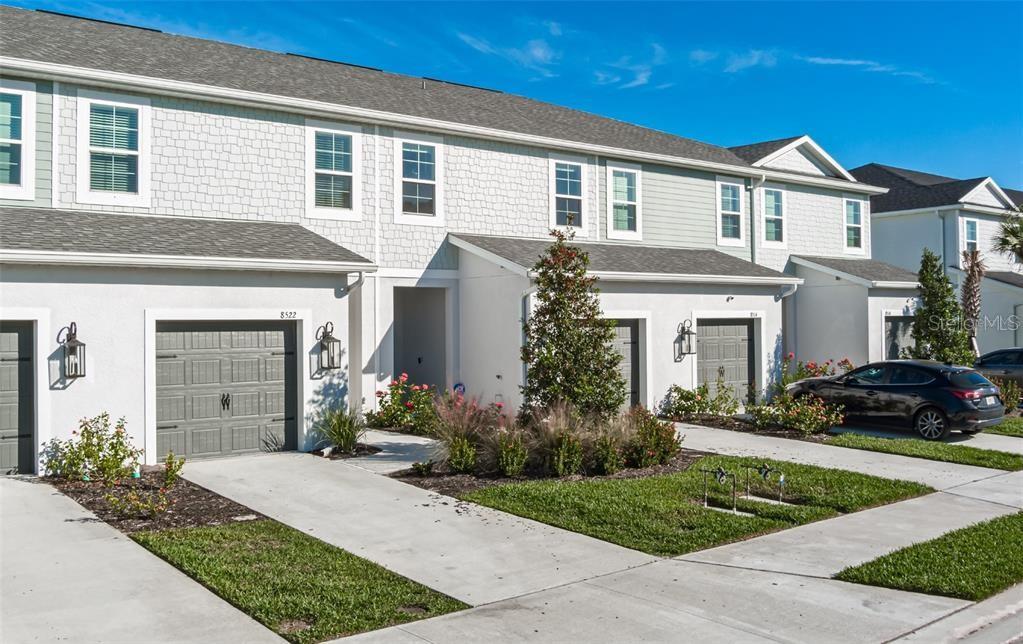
(203, 210)
(949, 216)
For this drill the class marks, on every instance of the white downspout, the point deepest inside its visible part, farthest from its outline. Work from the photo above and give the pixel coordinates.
(356, 284)
(526, 294)
(755, 183)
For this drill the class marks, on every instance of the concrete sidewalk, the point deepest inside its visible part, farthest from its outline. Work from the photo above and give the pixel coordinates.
(474, 554)
(397, 451)
(995, 620)
(67, 576)
(936, 474)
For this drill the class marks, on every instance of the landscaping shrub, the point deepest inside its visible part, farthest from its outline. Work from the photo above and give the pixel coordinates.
(607, 455)
(655, 441)
(511, 453)
(680, 403)
(809, 369)
(422, 468)
(134, 503)
(406, 407)
(567, 458)
(340, 427)
(547, 429)
(806, 414)
(96, 452)
(462, 455)
(172, 469)
(1010, 394)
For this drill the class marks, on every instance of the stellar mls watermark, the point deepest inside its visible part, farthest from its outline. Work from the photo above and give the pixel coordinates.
(983, 323)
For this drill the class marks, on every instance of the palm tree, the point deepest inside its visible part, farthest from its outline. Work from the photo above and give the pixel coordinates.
(974, 267)
(1010, 238)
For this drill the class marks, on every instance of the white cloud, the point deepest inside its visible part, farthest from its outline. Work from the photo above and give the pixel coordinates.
(536, 55)
(606, 78)
(631, 73)
(554, 28)
(702, 56)
(752, 58)
(868, 66)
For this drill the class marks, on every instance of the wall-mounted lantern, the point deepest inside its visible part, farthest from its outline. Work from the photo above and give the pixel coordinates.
(74, 352)
(685, 341)
(330, 347)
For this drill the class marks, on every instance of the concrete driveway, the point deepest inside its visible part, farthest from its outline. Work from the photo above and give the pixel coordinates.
(69, 577)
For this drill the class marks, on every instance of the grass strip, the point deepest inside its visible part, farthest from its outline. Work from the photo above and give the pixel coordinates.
(931, 450)
(970, 563)
(663, 515)
(1008, 427)
(298, 586)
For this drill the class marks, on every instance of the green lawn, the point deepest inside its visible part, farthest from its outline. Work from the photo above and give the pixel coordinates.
(302, 588)
(663, 515)
(932, 450)
(1009, 427)
(971, 563)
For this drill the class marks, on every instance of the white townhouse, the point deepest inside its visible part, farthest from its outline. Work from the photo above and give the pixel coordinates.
(950, 216)
(200, 214)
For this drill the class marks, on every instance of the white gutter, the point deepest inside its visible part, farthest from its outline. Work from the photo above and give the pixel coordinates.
(984, 210)
(685, 278)
(117, 80)
(356, 284)
(849, 277)
(525, 297)
(177, 261)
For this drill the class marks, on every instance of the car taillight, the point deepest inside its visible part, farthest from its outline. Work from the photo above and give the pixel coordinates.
(966, 394)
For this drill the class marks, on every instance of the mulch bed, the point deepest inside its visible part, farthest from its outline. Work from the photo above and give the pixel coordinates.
(190, 505)
(361, 449)
(452, 484)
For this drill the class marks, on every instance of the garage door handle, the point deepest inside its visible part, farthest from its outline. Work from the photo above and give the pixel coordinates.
(281, 420)
(27, 359)
(225, 401)
(166, 355)
(166, 426)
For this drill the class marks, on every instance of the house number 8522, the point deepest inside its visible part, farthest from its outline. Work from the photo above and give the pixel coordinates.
(289, 315)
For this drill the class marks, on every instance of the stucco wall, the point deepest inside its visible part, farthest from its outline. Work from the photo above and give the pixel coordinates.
(109, 306)
(901, 240)
(1002, 308)
(831, 318)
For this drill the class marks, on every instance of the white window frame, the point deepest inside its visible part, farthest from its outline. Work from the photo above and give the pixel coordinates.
(721, 212)
(400, 217)
(83, 192)
(26, 190)
(582, 230)
(312, 126)
(637, 170)
(784, 218)
(853, 250)
(966, 237)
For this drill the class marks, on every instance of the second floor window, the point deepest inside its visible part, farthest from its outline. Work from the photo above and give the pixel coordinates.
(17, 144)
(774, 215)
(334, 165)
(853, 224)
(113, 148)
(730, 206)
(10, 139)
(568, 194)
(970, 228)
(419, 179)
(623, 201)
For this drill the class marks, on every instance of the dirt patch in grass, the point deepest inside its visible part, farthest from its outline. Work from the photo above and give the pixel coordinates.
(190, 505)
(361, 449)
(450, 483)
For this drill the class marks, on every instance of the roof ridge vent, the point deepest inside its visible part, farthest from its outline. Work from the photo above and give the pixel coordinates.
(447, 82)
(99, 20)
(336, 62)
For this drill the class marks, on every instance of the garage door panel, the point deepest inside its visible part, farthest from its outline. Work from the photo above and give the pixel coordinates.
(245, 339)
(205, 372)
(170, 372)
(205, 406)
(245, 438)
(170, 408)
(275, 369)
(170, 441)
(245, 370)
(722, 350)
(200, 340)
(244, 404)
(206, 442)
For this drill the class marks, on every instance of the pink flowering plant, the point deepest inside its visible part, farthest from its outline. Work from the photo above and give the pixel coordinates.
(793, 370)
(807, 415)
(405, 406)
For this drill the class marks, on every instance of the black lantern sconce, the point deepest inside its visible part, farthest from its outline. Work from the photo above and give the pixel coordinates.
(74, 352)
(330, 347)
(685, 341)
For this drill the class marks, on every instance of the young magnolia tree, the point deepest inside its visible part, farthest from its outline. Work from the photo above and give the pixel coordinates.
(974, 268)
(568, 348)
(938, 329)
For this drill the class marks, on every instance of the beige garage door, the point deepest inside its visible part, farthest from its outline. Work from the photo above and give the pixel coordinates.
(723, 348)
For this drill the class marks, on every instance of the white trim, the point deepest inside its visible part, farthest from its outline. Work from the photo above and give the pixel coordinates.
(55, 119)
(304, 334)
(814, 147)
(863, 226)
(419, 273)
(42, 346)
(764, 241)
(312, 126)
(983, 210)
(646, 368)
(177, 261)
(436, 220)
(849, 277)
(989, 183)
(117, 80)
(26, 190)
(553, 159)
(83, 192)
(493, 258)
(637, 170)
(720, 181)
(758, 317)
(964, 239)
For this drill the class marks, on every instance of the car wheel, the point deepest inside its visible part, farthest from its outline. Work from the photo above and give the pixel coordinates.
(932, 424)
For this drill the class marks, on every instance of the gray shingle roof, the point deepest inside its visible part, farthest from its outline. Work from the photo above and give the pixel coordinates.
(39, 229)
(909, 189)
(1006, 277)
(41, 36)
(868, 269)
(757, 151)
(623, 258)
(1015, 195)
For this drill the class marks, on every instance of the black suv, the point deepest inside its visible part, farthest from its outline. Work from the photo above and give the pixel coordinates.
(935, 397)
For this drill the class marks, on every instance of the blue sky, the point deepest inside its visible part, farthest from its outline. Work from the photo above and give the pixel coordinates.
(929, 86)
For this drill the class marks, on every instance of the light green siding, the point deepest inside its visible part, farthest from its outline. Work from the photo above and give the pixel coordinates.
(44, 146)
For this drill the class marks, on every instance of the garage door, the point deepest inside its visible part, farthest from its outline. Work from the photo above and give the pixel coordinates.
(898, 335)
(723, 347)
(225, 388)
(16, 398)
(626, 343)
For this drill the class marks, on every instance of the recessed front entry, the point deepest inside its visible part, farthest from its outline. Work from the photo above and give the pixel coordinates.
(723, 350)
(225, 388)
(626, 343)
(17, 399)
(419, 335)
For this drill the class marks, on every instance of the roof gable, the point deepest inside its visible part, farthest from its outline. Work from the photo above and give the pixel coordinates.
(800, 154)
(988, 194)
(911, 190)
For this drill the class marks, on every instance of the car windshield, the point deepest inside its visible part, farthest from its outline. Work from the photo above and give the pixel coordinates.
(969, 380)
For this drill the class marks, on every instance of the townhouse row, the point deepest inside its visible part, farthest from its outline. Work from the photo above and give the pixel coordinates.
(240, 237)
